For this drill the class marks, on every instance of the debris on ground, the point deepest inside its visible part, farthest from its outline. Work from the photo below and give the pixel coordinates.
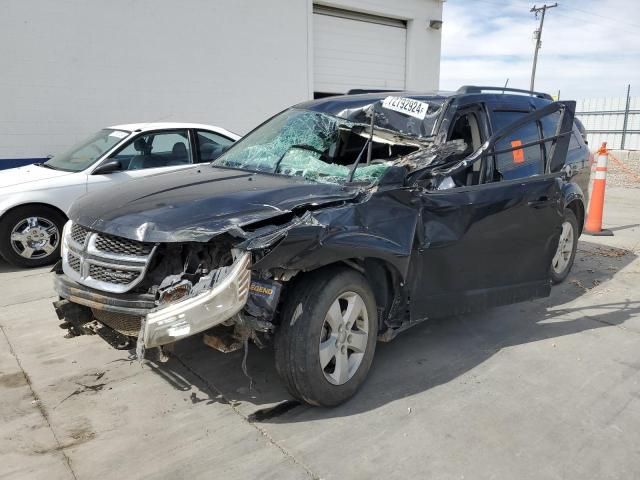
(611, 252)
(579, 284)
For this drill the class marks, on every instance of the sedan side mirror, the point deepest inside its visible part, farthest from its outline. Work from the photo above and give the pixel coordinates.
(109, 167)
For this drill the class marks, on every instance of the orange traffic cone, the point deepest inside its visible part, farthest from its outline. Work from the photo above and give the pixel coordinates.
(593, 225)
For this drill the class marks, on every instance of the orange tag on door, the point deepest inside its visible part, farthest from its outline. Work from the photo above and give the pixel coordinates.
(518, 155)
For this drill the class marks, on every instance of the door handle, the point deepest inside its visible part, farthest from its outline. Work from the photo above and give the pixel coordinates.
(540, 202)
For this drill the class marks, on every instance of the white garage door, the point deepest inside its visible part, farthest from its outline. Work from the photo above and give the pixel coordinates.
(353, 50)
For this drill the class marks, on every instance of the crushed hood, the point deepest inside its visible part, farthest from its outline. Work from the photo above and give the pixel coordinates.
(198, 203)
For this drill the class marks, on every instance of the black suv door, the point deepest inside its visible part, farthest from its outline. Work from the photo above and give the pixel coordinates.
(492, 243)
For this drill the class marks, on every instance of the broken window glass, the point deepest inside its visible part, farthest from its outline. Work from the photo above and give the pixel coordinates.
(312, 145)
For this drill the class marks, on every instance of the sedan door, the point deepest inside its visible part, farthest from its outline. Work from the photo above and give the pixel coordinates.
(147, 154)
(492, 244)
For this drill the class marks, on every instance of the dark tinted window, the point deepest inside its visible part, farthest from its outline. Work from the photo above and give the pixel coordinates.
(522, 162)
(211, 145)
(549, 127)
(574, 143)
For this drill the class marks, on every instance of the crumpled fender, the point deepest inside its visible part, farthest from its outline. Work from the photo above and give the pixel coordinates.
(383, 228)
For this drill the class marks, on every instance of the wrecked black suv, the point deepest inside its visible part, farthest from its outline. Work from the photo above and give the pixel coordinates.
(336, 223)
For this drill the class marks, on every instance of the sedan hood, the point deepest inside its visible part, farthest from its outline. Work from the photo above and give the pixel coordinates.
(198, 203)
(28, 174)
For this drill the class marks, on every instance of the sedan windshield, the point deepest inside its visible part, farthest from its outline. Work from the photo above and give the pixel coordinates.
(316, 146)
(84, 154)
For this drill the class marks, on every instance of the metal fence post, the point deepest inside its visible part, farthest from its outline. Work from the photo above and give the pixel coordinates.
(626, 117)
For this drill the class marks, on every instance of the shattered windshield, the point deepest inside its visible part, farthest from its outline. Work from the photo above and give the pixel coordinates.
(313, 145)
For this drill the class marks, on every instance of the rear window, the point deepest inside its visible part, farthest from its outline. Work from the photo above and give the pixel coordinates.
(523, 162)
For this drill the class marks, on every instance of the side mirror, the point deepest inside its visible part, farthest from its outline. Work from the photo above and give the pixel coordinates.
(109, 167)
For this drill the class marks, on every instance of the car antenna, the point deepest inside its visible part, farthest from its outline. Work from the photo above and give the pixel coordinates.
(505, 86)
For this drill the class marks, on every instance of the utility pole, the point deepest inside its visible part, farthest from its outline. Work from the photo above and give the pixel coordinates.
(537, 34)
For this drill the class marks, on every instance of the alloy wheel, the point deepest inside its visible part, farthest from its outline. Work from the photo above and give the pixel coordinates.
(34, 238)
(344, 337)
(565, 246)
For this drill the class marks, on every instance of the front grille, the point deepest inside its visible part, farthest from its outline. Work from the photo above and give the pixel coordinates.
(128, 325)
(122, 246)
(112, 275)
(79, 234)
(104, 262)
(74, 262)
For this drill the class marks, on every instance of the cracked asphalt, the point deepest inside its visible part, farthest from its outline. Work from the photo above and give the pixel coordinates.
(544, 389)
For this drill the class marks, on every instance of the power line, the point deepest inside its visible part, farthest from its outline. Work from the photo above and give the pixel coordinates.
(593, 22)
(538, 37)
(597, 15)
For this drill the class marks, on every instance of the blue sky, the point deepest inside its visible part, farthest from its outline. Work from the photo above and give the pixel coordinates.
(589, 48)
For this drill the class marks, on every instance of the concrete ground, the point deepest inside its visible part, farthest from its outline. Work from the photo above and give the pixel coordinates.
(541, 390)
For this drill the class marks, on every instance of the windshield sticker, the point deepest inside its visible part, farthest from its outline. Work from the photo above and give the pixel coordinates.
(118, 134)
(407, 106)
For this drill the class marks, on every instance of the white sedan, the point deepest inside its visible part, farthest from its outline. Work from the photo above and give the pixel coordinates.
(34, 200)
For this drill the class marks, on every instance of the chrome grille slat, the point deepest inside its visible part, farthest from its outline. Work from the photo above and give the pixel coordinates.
(102, 261)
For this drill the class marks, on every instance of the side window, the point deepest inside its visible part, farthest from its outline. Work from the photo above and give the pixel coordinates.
(157, 149)
(523, 162)
(549, 127)
(211, 145)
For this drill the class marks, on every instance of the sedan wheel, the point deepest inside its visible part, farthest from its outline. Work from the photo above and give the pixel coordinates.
(34, 238)
(30, 236)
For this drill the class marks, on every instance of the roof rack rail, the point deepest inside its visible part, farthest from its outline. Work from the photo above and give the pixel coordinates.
(476, 89)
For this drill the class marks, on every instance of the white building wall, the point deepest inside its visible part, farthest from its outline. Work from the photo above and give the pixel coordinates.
(70, 67)
(73, 66)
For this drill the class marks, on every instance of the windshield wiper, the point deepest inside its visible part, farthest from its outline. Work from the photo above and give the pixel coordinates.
(44, 165)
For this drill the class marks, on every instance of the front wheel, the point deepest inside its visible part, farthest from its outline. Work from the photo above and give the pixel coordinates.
(567, 246)
(327, 336)
(30, 236)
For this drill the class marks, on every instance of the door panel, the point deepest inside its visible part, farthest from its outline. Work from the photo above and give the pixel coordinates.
(485, 245)
(147, 154)
(97, 182)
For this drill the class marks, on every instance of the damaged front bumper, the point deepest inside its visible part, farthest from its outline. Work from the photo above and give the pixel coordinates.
(164, 324)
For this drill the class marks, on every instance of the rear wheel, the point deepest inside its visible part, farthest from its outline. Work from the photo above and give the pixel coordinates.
(567, 246)
(327, 337)
(30, 236)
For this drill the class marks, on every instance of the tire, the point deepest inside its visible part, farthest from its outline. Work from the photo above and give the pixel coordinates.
(567, 246)
(40, 235)
(306, 326)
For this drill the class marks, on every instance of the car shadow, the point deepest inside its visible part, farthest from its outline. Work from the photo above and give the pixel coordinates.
(434, 353)
(6, 267)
